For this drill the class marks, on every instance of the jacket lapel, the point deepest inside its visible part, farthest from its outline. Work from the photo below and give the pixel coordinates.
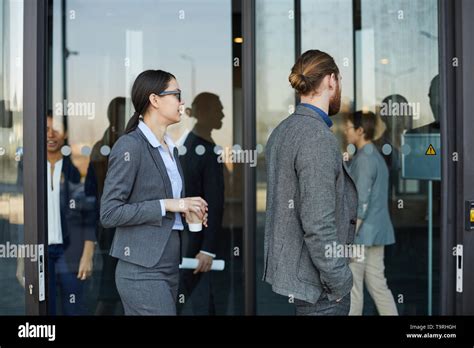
(155, 154)
(348, 175)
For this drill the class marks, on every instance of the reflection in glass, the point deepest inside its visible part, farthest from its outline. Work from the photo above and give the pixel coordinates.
(108, 300)
(12, 249)
(204, 177)
(91, 83)
(328, 26)
(396, 60)
(275, 100)
(387, 52)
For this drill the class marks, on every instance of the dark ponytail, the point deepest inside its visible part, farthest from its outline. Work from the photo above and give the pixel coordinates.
(148, 82)
(132, 122)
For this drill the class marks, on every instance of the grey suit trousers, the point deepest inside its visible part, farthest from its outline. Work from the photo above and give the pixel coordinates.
(324, 306)
(151, 290)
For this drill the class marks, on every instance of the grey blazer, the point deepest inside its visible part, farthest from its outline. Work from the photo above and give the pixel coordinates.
(370, 174)
(136, 181)
(311, 204)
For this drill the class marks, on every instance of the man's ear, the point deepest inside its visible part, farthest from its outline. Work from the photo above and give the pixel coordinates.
(332, 83)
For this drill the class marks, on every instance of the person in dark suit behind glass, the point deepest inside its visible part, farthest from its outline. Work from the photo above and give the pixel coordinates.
(204, 177)
(108, 301)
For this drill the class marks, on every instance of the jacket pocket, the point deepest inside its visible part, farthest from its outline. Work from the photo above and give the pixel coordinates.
(277, 256)
(305, 270)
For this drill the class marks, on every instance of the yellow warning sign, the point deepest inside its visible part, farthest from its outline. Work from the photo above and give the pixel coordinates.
(430, 151)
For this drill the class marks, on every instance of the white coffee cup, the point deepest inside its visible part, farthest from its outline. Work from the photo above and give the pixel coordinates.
(195, 227)
(194, 224)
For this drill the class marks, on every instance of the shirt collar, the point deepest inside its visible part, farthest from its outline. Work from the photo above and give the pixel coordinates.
(57, 163)
(320, 112)
(150, 136)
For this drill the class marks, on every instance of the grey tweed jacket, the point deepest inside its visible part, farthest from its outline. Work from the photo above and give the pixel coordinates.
(136, 181)
(311, 209)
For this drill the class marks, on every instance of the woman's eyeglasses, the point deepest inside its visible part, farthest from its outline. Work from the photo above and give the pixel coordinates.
(177, 93)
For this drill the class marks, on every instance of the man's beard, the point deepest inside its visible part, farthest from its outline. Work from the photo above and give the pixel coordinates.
(335, 103)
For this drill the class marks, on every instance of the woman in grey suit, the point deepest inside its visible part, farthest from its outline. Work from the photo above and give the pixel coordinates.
(374, 228)
(143, 199)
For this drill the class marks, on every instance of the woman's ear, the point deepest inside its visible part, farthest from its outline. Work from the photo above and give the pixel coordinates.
(154, 100)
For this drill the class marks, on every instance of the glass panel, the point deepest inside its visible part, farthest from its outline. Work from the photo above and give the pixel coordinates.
(92, 83)
(387, 52)
(275, 42)
(337, 40)
(12, 249)
(397, 78)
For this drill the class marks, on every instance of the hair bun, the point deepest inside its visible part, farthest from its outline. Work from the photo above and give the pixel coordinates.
(309, 71)
(300, 83)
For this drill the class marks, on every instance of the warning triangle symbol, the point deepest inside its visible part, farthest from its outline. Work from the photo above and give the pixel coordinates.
(430, 151)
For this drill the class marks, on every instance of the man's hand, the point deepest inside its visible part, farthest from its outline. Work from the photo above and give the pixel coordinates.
(205, 263)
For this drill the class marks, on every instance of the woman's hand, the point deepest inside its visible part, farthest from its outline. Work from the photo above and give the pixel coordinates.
(195, 205)
(20, 271)
(86, 262)
(85, 268)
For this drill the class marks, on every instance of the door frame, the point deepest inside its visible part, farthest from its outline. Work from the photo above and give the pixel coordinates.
(36, 73)
(35, 58)
(465, 300)
(454, 117)
(455, 28)
(249, 142)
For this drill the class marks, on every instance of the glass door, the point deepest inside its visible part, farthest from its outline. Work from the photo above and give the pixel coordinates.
(396, 77)
(13, 251)
(98, 49)
(275, 54)
(387, 53)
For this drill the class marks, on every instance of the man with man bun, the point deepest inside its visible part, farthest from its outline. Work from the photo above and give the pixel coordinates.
(311, 199)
